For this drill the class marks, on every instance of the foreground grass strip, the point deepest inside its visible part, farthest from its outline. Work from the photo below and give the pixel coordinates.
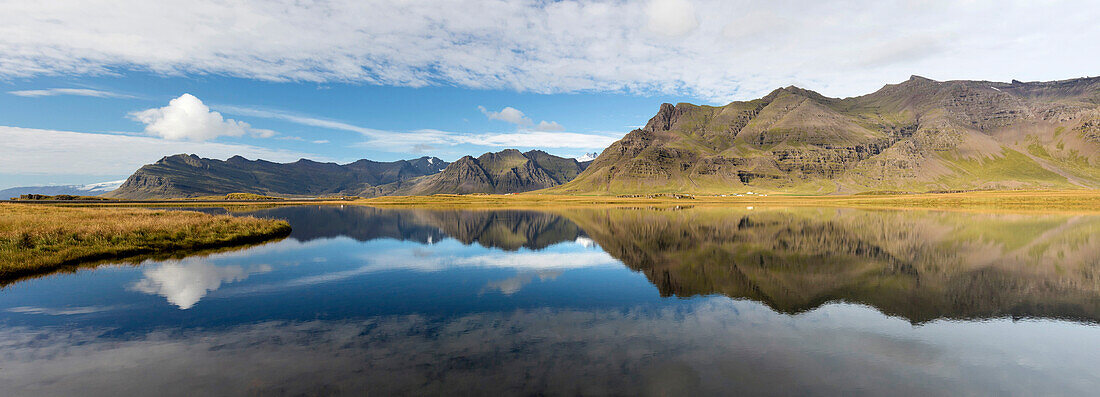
(1086, 201)
(40, 238)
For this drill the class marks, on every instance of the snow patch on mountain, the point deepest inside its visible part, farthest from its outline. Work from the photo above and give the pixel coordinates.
(588, 157)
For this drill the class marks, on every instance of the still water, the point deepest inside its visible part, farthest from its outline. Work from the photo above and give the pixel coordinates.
(674, 301)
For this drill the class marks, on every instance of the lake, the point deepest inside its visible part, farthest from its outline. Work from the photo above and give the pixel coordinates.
(589, 301)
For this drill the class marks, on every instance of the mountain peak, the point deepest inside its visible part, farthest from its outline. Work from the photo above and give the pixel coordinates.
(665, 118)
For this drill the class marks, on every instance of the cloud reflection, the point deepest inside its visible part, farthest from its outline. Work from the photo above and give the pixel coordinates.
(184, 282)
(512, 285)
(711, 346)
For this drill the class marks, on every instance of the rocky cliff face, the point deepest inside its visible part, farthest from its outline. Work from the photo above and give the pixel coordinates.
(191, 176)
(918, 135)
(508, 171)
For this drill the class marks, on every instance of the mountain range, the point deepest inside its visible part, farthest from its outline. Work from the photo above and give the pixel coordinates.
(182, 176)
(507, 171)
(919, 135)
(191, 176)
(916, 136)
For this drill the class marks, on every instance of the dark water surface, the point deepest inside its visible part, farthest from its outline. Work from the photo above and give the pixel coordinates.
(683, 301)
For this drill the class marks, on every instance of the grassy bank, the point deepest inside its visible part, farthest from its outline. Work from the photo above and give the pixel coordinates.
(40, 238)
(1037, 201)
(1077, 201)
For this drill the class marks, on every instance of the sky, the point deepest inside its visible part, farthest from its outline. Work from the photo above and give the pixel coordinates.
(90, 90)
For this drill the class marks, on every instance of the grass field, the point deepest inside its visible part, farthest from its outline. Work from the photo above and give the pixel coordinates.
(1036, 201)
(993, 200)
(42, 238)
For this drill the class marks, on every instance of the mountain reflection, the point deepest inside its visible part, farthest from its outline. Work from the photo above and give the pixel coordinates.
(917, 265)
(508, 230)
(920, 265)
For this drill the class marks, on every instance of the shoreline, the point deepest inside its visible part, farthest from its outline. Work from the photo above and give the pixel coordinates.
(44, 239)
(1077, 201)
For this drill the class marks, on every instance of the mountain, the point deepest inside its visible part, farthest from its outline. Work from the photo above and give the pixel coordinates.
(919, 135)
(191, 176)
(92, 189)
(587, 157)
(507, 171)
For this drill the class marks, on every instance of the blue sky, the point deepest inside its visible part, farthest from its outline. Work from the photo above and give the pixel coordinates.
(320, 121)
(92, 89)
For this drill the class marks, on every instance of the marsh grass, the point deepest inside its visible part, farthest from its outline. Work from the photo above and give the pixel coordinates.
(1076, 201)
(41, 238)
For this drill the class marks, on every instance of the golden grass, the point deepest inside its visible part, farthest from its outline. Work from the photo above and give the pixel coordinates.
(1032, 201)
(40, 238)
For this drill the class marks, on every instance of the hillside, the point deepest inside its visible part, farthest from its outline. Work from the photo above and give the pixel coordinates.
(191, 176)
(507, 171)
(919, 135)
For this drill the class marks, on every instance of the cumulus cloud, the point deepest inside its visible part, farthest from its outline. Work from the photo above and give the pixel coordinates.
(549, 126)
(187, 118)
(69, 91)
(45, 152)
(726, 49)
(515, 116)
(508, 114)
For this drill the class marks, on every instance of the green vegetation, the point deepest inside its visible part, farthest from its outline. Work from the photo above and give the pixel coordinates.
(59, 197)
(1078, 201)
(1009, 166)
(40, 238)
(250, 196)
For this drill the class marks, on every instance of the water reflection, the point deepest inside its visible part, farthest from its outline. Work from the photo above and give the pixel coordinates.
(705, 347)
(508, 230)
(582, 301)
(918, 265)
(184, 282)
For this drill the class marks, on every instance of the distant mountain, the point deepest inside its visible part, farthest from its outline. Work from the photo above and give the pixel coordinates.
(191, 176)
(507, 171)
(93, 189)
(588, 157)
(919, 135)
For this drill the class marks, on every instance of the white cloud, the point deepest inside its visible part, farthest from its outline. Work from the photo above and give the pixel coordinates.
(69, 91)
(43, 152)
(671, 17)
(515, 116)
(187, 118)
(423, 140)
(508, 114)
(729, 49)
(541, 139)
(549, 126)
(303, 120)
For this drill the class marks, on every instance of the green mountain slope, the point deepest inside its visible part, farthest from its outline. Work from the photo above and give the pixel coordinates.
(919, 135)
